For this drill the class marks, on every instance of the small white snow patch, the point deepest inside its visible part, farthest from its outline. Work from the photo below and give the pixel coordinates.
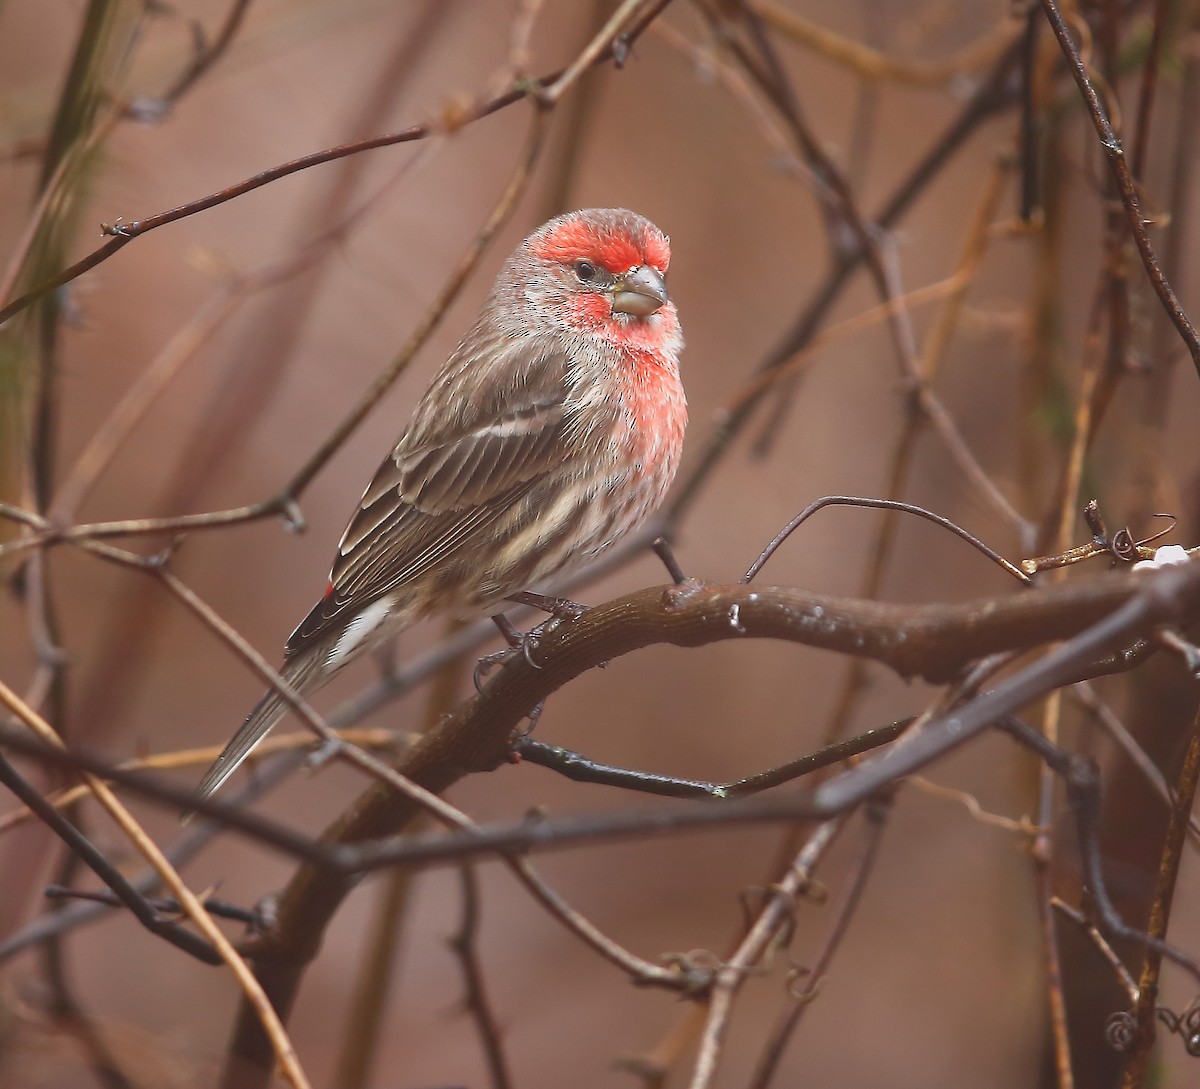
(1167, 556)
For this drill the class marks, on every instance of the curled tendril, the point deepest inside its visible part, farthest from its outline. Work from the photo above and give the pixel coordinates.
(1120, 1030)
(1162, 532)
(1185, 1025)
(811, 987)
(1191, 1028)
(1122, 546)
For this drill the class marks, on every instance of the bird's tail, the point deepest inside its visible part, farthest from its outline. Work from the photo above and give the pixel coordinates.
(303, 674)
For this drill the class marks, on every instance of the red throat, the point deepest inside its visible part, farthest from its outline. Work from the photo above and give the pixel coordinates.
(655, 399)
(638, 336)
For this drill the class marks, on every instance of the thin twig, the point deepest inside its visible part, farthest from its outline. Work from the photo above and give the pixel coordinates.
(776, 913)
(851, 895)
(476, 999)
(1085, 694)
(582, 770)
(1126, 186)
(194, 908)
(1102, 947)
(205, 56)
(994, 94)
(123, 233)
(881, 504)
(190, 338)
(876, 66)
(196, 839)
(368, 737)
(1160, 913)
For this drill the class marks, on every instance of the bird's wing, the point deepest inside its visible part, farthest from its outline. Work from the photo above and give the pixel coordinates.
(457, 470)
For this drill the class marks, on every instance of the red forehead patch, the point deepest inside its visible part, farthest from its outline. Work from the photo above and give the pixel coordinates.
(617, 246)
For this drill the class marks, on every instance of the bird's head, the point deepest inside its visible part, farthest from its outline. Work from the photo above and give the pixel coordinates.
(602, 272)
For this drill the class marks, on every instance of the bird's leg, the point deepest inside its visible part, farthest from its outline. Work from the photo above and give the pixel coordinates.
(559, 608)
(508, 629)
(516, 640)
(488, 662)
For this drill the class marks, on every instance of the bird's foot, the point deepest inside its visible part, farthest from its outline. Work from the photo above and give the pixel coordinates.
(487, 663)
(519, 642)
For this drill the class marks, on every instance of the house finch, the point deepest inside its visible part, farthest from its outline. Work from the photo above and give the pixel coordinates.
(552, 430)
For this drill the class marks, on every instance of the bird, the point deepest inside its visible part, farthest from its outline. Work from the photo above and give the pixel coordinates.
(552, 431)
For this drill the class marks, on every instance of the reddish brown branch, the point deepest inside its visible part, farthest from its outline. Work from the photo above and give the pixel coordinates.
(934, 641)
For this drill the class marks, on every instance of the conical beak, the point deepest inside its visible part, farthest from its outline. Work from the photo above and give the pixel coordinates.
(640, 292)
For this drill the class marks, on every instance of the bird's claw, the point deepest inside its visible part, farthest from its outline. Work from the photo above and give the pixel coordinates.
(525, 646)
(486, 664)
(535, 713)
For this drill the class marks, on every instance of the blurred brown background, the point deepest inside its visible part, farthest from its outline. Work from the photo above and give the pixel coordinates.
(940, 981)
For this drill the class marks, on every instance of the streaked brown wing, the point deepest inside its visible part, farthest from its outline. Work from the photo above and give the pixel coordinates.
(450, 477)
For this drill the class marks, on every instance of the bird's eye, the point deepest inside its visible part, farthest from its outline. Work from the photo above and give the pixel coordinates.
(586, 271)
